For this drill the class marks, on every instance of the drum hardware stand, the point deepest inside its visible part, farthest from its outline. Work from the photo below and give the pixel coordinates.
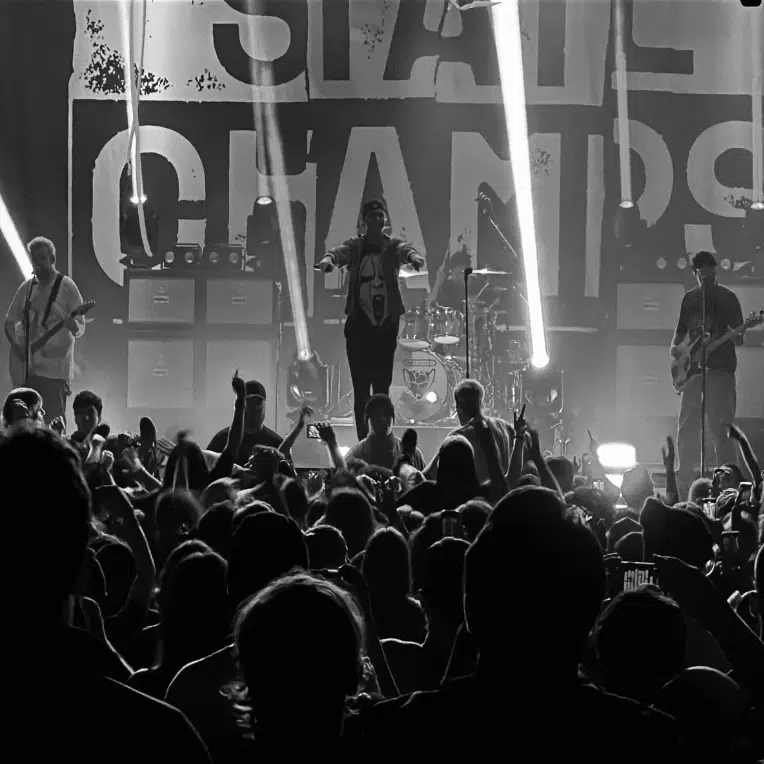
(279, 339)
(703, 383)
(467, 274)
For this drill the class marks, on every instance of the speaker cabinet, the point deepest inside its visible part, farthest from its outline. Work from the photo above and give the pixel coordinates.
(643, 382)
(160, 373)
(161, 300)
(649, 306)
(239, 301)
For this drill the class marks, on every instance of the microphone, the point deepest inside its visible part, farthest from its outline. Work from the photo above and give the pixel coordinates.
(467, 272)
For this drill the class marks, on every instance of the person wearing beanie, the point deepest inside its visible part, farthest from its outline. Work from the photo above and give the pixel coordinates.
(374, 304)
(722, 312)
(255, 431)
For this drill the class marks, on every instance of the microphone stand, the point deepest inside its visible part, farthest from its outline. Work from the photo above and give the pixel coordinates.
(27, 337)
(467, 274)
(279, 338)
(703, 383)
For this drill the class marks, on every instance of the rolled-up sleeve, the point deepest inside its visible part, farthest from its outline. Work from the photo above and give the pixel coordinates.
(341, 255)
(406, 253)
(73, 300)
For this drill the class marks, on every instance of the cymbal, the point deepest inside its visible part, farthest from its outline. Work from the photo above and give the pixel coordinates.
(410, 274)
(489, 272)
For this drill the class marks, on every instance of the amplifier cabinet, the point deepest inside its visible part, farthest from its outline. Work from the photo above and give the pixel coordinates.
(161, 300)
(160, 373)
(238, 300)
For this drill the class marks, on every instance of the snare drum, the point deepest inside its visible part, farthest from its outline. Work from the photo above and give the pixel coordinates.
(415, 334)
(425, 382)
(446, 325)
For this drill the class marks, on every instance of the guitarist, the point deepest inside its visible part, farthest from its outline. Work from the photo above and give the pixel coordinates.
(47, 298)
(722, 313)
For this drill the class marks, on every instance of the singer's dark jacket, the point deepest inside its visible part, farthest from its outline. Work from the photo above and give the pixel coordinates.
(722, 310)
(397, 252)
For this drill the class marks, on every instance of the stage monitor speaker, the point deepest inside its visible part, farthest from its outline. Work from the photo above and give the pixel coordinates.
(649, 306)
(160, 373)
(160, 300)
(239, 301)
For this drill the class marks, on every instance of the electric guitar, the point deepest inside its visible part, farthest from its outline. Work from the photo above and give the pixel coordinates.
(16, 356)
(686, 363)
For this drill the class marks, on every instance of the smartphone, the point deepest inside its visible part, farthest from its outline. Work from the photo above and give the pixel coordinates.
(451, 523)
(636, 574)
(313, 433)
(744, 492)
(731, 542)
(598, 485)
(709, 508)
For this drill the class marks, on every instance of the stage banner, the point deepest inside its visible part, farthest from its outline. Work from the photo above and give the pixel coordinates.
(402, 99)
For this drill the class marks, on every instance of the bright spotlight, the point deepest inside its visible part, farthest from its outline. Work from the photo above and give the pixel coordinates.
(12, 238)
(617, 456)
(509, 52)
(431, 397)
(264, 200)
(758, 206)
(142, 199)
(627, 204)
(344, 450)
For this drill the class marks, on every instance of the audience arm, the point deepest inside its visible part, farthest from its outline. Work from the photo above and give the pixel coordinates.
(672, 492)
(747, 451)
(546, 477)
(289, 441)
(517, 460)
(326, 431)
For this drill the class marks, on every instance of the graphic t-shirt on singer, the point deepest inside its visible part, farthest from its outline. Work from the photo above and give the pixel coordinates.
(372, 290)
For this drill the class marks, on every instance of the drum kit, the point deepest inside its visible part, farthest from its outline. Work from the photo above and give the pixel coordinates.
(432, 356)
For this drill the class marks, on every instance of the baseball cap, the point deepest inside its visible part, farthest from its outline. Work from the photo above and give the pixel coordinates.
(255, 388)
(374, 204)
(703, 258)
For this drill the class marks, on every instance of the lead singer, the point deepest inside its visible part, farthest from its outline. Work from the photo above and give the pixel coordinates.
(374, 305)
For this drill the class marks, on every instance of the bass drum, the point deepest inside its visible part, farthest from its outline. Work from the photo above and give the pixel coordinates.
(423, 386)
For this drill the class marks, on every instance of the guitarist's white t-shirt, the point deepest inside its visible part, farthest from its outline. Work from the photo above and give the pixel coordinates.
(55, 359)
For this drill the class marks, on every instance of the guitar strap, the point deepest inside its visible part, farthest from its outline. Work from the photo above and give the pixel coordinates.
(52, 298)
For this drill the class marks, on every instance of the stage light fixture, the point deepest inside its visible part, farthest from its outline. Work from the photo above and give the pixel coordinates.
(264, 201)
(307, 381)
(182, 257)
(629, 225)
(616, 459)
(754, 227)
(135, 199)
(223, 257)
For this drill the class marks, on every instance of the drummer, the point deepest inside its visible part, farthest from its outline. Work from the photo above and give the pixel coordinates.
(448, 289)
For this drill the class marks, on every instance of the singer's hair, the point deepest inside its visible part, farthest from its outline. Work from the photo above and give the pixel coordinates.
(88, 398)
(468, 396)
(41, 241)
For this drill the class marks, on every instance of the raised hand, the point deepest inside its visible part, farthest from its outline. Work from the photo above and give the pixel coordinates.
(305, 413)
(237, 383)
(519, 422)
(576, 465)
(535, 447)
(593, 443)
(58, 426)
(667, 452)
(326, 431)
(735, 433)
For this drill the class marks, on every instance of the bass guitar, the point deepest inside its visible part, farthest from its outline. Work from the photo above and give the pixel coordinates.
(687, 358)
(16, 357)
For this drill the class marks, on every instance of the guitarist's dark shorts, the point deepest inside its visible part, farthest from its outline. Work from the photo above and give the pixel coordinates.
(54, 393)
